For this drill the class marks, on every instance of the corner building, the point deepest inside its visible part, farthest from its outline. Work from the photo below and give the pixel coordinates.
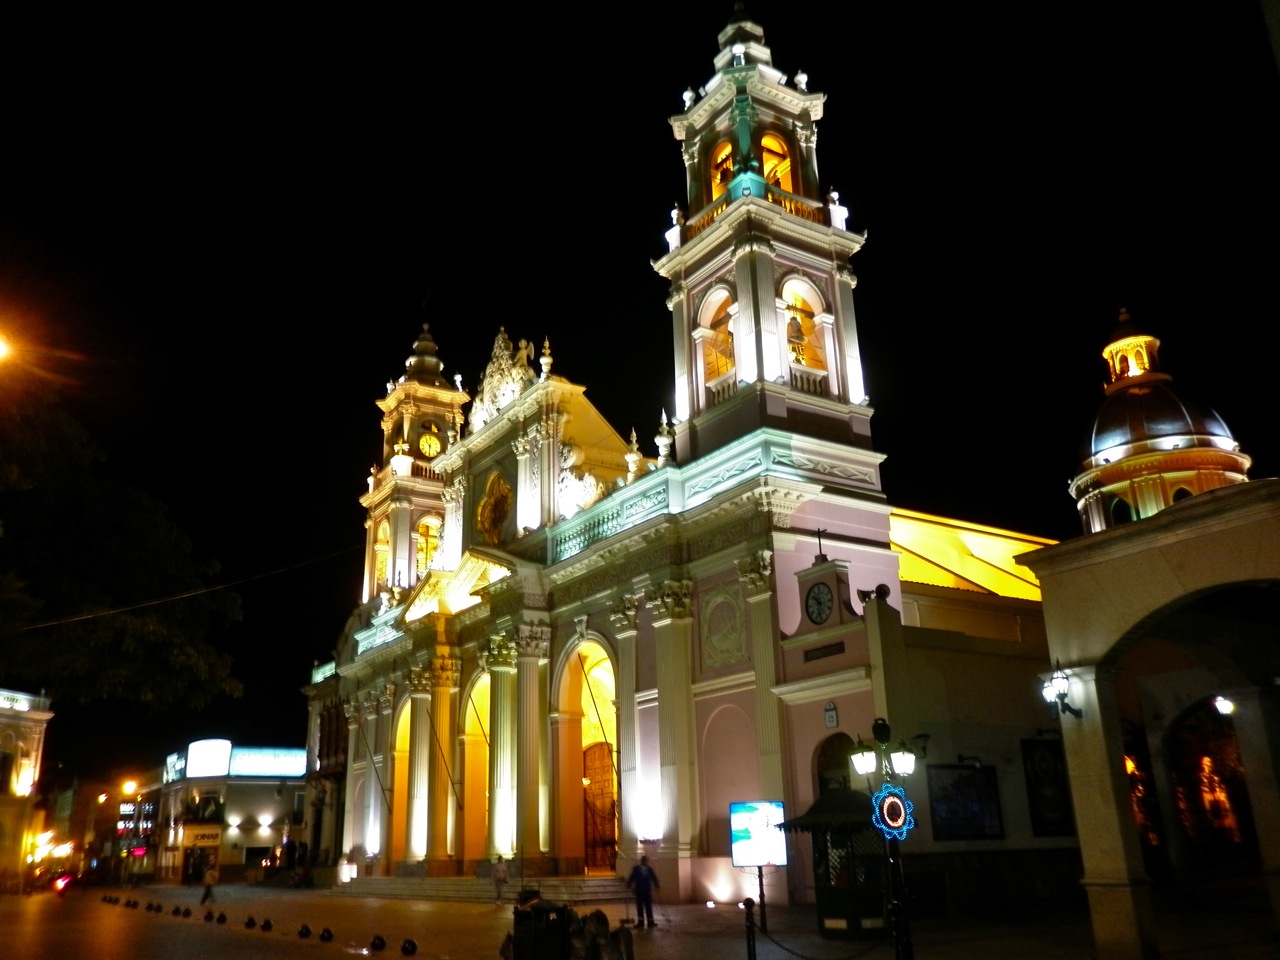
(571, 652)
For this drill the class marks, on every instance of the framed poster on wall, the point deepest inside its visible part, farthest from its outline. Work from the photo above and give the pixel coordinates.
(1048, 791)
(964, 802)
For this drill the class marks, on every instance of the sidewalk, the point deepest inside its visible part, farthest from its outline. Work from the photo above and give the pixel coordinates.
(1198, 930)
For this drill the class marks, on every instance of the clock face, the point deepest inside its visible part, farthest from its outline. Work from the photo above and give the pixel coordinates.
(818, 603)
(429, 444)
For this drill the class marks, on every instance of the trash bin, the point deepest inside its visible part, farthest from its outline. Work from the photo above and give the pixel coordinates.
(541, 928)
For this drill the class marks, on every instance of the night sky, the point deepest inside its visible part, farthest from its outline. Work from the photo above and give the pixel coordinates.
(230, 238)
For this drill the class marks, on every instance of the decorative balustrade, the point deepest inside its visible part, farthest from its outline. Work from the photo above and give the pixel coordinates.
(722, 388)
(808, 380)
(620, 511)
(810, 210)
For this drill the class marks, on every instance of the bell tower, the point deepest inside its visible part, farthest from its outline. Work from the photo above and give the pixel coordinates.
(761, 292)
(421, 418)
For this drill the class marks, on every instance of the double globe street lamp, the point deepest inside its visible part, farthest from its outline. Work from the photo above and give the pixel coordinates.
(891, 815)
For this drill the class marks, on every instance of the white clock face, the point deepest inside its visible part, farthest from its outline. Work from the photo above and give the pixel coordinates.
(818, 603)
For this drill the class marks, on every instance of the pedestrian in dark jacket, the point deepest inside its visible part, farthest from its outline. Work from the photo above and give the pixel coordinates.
(643, 881)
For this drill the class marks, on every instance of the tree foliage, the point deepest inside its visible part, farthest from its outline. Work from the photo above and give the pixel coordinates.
(101, 596)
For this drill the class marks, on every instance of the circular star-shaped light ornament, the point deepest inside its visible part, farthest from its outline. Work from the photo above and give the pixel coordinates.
(891, 812)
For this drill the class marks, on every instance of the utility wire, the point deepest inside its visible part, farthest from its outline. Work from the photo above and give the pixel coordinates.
(183, 596)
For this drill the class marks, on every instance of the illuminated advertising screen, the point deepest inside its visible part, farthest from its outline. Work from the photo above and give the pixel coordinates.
(754, 837)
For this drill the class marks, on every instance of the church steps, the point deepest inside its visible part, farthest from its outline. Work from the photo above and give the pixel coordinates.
(567, 890)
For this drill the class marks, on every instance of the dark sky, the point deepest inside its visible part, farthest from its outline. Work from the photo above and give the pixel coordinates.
(238, 225)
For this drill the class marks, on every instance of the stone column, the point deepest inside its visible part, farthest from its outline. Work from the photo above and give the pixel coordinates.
(350, 818)
(500, 661)
(386, 770)
(672, 609)
(1115, 879)
(372, 835)
(419, 760)
(532, 646)
(623, 616)
(444, 681)
(755, 574)
(455, 501)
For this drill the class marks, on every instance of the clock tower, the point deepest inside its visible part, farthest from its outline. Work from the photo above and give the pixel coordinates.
(824, 595)
(421, 418)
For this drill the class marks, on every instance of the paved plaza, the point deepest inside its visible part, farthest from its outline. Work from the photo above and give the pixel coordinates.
(43, 926)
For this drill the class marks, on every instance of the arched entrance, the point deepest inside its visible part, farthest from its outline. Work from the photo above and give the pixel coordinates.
(586, 740)
(1188, 786)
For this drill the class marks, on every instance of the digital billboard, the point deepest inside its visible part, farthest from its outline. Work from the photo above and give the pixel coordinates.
(754, 837)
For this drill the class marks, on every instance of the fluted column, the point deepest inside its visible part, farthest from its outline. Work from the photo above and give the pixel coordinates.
(755, 573)
(419, 760)
(532, 646)
(623, 617)
(672, 609)
(350, 816)
(444, 681)
(500, 660)
(373, 782)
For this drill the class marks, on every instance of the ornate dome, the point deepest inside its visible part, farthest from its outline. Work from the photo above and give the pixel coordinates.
(1148, 412)
(1148, 447)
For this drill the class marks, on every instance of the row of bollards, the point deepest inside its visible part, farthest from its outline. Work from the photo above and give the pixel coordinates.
(408, 948)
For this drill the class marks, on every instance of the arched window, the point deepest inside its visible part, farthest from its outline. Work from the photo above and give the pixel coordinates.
(1181, 494)
(1120, 512)
(721, 168)
(806, 346)
(381, 550)
(717, 353)
(428, 541)
(777, 163)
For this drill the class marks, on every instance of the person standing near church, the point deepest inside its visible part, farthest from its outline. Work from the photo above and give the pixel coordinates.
(643, 881)
(500, 876)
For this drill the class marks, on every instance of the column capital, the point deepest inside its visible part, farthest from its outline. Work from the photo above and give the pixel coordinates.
(672, 600)
(625, 611)
(445, 672)
(419, 683)
(753, 243)
(501, 654)
(779, 504)
(532, 640)
(353, 713)
(755, 572)
(387, 699)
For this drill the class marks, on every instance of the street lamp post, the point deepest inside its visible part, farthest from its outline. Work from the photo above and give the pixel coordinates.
(891, 814)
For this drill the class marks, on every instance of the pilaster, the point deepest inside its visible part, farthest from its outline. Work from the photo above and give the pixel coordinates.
(532, 643)
(756, 575)
(419, 761)
(500, 661)
(623, 617)
(444, 682)
(671, 607)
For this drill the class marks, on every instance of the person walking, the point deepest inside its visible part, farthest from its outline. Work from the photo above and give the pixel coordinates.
(500, 875)
(210, 878)
(643, 881)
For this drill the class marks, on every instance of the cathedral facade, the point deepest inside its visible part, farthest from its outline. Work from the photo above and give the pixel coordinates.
(572, 652)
